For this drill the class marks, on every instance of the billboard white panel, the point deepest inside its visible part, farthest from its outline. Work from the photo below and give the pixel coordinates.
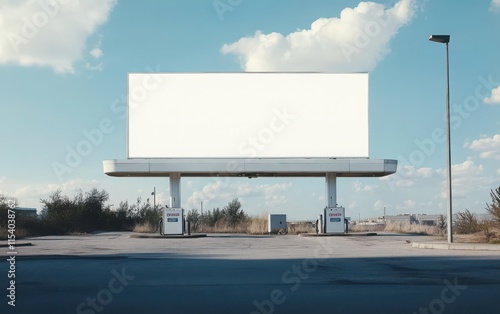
(248, 115)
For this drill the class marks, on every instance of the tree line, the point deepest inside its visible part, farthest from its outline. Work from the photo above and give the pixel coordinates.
(89, 211)
(82, 213)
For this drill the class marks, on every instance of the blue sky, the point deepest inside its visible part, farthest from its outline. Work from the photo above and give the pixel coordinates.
(63, 73)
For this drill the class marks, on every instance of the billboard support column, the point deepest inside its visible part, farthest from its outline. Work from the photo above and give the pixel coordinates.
(175, 190)
(331, 190)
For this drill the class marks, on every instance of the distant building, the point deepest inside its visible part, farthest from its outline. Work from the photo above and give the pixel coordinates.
(484, 217)
(25, 211)
(421, 219)
(429, 220)
(404, 218)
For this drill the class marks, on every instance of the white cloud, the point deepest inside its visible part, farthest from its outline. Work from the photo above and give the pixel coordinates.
(494, 97)
(359, 187)
(355, 41)
(274, 194)
(407, 176)
(488, 147)
(495, 6)
(467, 168)
(498, 171)
(378, 205)
(49, 33)
(96, 53)
(412, 172)
(219, 192)
(98, 67)
(410, 204)
(404, 183)
(467, 177)
(29, 195)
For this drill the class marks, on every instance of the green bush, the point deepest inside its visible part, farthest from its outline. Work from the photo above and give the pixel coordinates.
(230, 216)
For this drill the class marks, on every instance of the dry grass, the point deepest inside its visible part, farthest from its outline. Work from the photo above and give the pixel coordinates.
(398, 227)
(257, 225)
(487, 235)
(254, 225)
(301, 227)
(223, 227)
(145, 228)
(412, 228)
(366, 228)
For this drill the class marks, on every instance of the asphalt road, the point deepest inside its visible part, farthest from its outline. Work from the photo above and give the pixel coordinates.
(113, 273)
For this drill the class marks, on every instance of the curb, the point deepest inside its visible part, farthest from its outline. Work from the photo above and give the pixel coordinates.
(157, 236)
(338, 234)
(457, 246)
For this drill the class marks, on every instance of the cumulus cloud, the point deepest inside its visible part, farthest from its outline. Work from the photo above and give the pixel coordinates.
(96, 53)
(404, 183)
(488, 147)
(378, 205)
(220, 192)
(355, 41)
(495, 6)
(494, 97)
(274, 194)
(49, 32)
(407, 176)
(467, 177)
(359, 187)
(29, 195)
(410, 204)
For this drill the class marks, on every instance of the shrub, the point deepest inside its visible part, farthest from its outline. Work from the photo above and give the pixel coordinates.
(494, 207)
(466, 223)
(229, 219)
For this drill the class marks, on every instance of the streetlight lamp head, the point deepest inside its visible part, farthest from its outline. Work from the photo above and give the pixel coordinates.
(444, 39)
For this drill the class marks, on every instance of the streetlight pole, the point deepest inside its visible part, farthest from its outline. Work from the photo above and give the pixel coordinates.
(154, 197)
(445, 39)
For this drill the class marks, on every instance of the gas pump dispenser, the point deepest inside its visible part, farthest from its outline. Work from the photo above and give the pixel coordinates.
(334, 219)
(173, 221)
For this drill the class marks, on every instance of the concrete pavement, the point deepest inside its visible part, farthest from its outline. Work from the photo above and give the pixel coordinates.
(114, 273)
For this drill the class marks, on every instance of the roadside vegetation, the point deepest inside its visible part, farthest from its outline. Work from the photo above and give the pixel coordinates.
(399, 227)
(83, 213)
(88, 212)
(467, 227)
(486, 230)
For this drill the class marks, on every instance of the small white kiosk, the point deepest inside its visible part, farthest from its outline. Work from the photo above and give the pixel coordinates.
(276, 223)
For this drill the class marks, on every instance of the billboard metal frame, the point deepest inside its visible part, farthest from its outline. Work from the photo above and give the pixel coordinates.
(174, 168)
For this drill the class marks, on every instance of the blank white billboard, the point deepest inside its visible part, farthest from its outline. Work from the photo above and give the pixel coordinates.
(248, 115)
